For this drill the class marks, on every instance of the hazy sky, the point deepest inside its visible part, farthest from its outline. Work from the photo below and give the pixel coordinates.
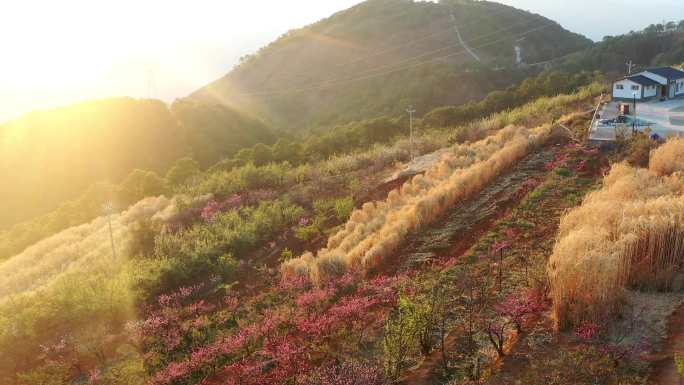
(54, 52)
(598, 18)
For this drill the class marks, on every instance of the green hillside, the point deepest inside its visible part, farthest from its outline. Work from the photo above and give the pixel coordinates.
(52, 156)
(652, 46)
(381, 55)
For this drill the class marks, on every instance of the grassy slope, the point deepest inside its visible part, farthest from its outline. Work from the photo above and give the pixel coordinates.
(51, 157)
(92, 300)
(363, 41)
(644, 49)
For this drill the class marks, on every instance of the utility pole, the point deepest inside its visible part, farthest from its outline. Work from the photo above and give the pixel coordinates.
(635, 126)
(630, 65)
(108, 208)
(411, 111)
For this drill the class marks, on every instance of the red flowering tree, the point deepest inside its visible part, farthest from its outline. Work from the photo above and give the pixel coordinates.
(306, 329)
(511, 312)
(347, 373)
(518, 307)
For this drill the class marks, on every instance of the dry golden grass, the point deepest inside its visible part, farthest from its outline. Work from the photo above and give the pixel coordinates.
(375, 231)
(669, 158)
(78, 249)
(628, 234)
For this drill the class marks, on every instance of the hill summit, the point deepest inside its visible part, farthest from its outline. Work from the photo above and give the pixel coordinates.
(377, 57)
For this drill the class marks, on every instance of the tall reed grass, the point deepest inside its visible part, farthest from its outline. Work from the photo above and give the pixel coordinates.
(375, 231)
(544, 109)
(77, 249)
(669, 158)
(629, 234)
(70, 286)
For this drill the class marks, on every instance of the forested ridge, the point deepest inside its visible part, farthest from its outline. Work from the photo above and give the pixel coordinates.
(266, 237)
(655, 45)
(52, 156)
(381, 55)
(287, 152)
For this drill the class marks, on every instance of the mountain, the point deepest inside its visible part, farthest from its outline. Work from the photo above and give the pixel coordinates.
(381, 55)
(656, 45)
(52, 156)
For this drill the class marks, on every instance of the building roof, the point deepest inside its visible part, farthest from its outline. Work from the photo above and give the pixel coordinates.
(643, 80)
(667, 72)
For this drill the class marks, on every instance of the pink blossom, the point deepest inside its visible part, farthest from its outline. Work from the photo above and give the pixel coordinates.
(94, 376)
(210, 210)
(587, 331)
(581, 166)
(348, 373)
(498, 246)
(510, 234)
(518, 306)
(232, 202)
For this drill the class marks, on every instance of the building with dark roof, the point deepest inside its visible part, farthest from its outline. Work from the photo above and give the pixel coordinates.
(661, 82)
(643, 80)
(667, 72)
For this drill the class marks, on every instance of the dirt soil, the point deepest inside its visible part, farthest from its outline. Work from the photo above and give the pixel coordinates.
(469, 220)
(464, 226)
(459, 230)
(664, 368)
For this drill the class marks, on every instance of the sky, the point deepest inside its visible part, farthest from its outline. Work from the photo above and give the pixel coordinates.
(598, 18)
(56, 52)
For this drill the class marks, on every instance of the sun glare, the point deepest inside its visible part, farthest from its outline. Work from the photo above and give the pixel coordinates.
(58, 52)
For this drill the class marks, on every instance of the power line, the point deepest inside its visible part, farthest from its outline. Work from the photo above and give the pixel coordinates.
(510, 27)
(398, 14)
(408, 60)
(108, 208)
(555, 59)
(425, 37)
(387, 66)
(481, 37)
(411, 111)
(271, 51)
(630, 65)
(463, 43)
(369, 76)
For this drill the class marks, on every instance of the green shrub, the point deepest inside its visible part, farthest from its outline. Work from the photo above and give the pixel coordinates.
(306, 233)
(524, 224)
(213, 247)
(563, 171)
(679, 362)
(588, 365)
(247, 177)
(344, 208)
(286, 255)
(182, 171)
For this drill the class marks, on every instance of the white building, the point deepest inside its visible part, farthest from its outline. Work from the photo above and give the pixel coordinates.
(663, 82)
(639, 87)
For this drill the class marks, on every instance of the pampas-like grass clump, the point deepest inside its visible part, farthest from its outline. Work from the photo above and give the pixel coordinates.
(668, 158)
(76, 248)
(628, 234)
(375, 231)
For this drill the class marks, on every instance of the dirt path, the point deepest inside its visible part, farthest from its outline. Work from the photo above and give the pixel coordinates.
(464, 226)
(463, 43)
(460, 229)
(469, 220)
(665, 370)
